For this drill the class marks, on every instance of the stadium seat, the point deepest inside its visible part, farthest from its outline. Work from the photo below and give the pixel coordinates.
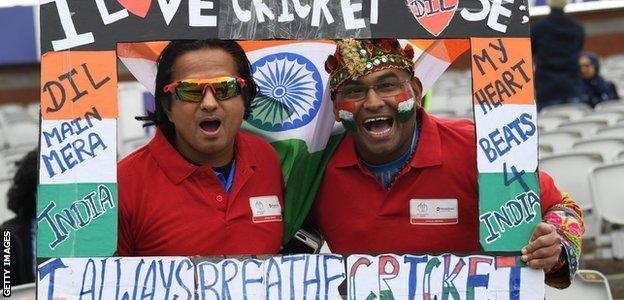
(616, 105)
(467, 115)
(611, 131)
(8, 158)
(587, 284)
(462, 103)
(5, 213)
(548, 123)
(573, 111)
(608, 191)
(442, 113)
(545, 150)
(33, 111)
(560, 140)
(11, 108)
(620, 156)
(607, 147)
(571, 173)
(586, 128)
(18, 128)
(22, 135)
(25, 291)
(611, 117)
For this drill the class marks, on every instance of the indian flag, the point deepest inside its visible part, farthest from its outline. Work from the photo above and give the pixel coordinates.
(293, 110)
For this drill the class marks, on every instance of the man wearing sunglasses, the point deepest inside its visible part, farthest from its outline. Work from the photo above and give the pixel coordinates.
(201, 186)
(394, 153)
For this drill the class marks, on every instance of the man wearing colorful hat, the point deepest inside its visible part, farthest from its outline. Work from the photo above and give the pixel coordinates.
(394, 152)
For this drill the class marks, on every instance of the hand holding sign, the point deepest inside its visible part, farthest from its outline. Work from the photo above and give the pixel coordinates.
(544, 248)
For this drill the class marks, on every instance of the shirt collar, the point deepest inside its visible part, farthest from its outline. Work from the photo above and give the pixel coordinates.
(428, 152)
(177, 168)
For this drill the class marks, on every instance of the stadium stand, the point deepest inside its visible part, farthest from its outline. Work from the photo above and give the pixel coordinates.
(5, 213)
(560, 166)
(610, 105)
(607, 147)
(609, 116)
(560, 140)
(545, 150)
(587, 284)
(586, 128)
(33, 111)
(24, 291)
(548, 123)
(18, 128)
(571, 172)
(607, 192)
(616, 130)
(573, 111)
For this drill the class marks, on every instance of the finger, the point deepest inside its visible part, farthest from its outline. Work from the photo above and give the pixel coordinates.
(546, 252)
(546, 264)
(543, 241)
(542, 229)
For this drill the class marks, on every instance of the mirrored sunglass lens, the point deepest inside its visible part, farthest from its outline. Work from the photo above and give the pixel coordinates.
(190, 91)
(225, 89)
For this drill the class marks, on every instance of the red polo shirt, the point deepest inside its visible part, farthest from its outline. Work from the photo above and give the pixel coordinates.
(168, 206)
(357, 215)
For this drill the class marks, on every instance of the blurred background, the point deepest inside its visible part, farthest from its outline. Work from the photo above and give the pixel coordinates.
(581, 141)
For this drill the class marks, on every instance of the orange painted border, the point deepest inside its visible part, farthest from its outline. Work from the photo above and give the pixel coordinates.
(517, 49)
(95, 75)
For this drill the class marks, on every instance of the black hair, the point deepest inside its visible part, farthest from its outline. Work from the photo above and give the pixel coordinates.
(167, 60)
(23, 191)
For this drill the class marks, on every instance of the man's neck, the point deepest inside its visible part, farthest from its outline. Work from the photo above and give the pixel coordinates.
(214, 160)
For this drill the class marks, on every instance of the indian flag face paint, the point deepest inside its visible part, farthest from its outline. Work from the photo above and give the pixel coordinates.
(405, 105)
(345, 114)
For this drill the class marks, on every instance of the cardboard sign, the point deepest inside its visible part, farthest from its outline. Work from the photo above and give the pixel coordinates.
(77, 195)
(302, 276)
(101, 24)
(506, 121)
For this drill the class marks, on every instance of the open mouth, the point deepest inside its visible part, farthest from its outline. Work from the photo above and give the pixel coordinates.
(378, 126)
(210, 126)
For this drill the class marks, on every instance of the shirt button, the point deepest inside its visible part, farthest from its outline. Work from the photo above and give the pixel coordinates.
(219, 198)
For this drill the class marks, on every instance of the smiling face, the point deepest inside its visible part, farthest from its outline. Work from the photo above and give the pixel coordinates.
(205, 131)
(382, 126)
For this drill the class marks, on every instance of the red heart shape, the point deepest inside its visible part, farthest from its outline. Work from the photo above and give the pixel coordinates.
(138, 8)
(433, 15)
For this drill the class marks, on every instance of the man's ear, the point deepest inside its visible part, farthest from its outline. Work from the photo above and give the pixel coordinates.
(165, 104)
(336, 116)
(417, 88)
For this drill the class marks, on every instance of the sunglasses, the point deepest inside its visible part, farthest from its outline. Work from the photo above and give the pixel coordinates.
(193, 90)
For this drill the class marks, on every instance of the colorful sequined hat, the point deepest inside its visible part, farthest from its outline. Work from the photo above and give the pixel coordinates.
(356, 58)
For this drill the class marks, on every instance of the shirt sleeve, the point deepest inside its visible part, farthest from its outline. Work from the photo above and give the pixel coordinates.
(560, 210)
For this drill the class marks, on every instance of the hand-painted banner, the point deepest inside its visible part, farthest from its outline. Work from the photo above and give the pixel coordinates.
(506, 122)
(77, 219)
(77, 195)
(100, 24)
(77, 84)
(302, 276)
(116, 278)
(79, 150)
